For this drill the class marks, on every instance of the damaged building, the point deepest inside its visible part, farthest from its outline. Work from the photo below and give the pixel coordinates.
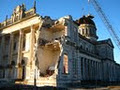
(54, 52)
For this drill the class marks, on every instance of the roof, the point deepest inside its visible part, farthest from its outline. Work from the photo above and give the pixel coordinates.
(108, 41)
(86, 20)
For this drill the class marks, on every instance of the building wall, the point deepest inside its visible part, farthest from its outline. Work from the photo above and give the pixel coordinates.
(28, 49)
(87, 62)
(13, 51)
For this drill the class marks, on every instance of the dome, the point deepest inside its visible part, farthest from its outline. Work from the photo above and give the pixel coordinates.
(86, 20)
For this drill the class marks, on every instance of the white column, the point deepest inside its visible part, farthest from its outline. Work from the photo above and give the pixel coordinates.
(10, 54)
(20, 47)
(19, 58)
(32, 42)
(11, 47)
(31, 65)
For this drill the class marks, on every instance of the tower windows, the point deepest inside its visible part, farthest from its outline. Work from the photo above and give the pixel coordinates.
(86, 31)
(83, 31)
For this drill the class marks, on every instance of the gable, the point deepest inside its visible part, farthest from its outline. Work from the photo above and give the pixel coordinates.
(110, 42)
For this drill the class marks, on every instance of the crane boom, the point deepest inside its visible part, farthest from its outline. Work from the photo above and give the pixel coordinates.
(106, 21)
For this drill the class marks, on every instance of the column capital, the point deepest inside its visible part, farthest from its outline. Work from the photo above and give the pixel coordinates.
(20, 45)
(20, 31)
(11, 34)
(32, 27)
(32, 39)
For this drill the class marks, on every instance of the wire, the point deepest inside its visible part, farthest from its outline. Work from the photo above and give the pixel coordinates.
(88, 7)
(83, 8)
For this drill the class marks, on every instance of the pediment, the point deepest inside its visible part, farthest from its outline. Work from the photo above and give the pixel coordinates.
(109, 41)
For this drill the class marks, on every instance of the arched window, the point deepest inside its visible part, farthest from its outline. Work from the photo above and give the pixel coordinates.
(81, 46)
(65, 64)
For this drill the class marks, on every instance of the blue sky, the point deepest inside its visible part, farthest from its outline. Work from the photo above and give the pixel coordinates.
(59, 8)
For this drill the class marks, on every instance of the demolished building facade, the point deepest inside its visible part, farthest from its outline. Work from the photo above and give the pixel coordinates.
(54, 52)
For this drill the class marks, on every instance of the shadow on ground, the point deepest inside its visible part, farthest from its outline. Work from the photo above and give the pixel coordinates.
(28, 87)
(70, 87)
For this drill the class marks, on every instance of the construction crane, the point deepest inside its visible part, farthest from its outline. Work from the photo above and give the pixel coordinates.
(106, 21)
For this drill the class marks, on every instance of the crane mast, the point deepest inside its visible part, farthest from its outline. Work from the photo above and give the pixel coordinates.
(106, 21)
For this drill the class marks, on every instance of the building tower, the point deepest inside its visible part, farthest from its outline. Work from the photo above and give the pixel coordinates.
(87, 27)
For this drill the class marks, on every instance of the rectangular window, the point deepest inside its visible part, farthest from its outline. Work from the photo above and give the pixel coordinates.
(27, 42)
(65, 64)
(15, 43)
(24, 43)
(83, 31)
